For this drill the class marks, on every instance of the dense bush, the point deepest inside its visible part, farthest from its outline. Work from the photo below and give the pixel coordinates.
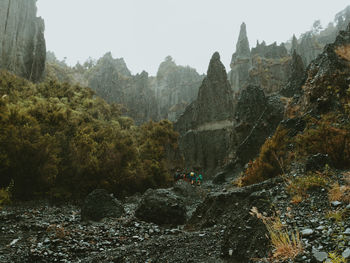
(271, 160)
(328, 135)
(62, 141)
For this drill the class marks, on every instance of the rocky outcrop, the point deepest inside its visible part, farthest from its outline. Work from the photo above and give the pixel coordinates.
(297, 77)
(22, 42)
(161, 207)
(245, 236)
(257, 117)
(326, 85)
(240, 62)
(175, 87)
(99, 204)
(270, 67)
(112, 80)
(206, 124)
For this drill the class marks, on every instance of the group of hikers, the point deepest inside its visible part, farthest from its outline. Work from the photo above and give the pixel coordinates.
(193, 177)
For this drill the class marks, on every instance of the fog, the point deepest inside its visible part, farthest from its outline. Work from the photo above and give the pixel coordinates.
(145, 32)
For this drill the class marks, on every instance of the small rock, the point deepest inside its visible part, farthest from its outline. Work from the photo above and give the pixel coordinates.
(319, 256)
(346, 253)
(336, 203)
(307, 232)
(347, 231)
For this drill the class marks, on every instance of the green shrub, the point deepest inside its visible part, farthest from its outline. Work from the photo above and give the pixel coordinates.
(59, 140)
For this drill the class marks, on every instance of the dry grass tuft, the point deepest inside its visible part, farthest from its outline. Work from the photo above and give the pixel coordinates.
(284, 246)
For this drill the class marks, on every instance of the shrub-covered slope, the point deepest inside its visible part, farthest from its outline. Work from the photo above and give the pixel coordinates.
(62, 141)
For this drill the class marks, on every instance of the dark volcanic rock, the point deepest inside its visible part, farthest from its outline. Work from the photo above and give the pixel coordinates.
(317, 162)
(23, 48)
(257, 118)
(219, 178)
(297, 77)
(244, 234)
(161, 207)
(328, 80)
(294, 125)
(99, 204)
(206, 124)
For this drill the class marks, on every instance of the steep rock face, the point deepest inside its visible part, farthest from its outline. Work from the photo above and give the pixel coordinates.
(22, 42)
(175, 87)
(257, 117)
(112, 80)
(206, 125)
(240, 62)
(270, 67)
(328, 78)
(297, 77)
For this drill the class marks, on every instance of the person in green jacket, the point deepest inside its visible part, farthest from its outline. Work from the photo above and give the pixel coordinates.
(199, 179)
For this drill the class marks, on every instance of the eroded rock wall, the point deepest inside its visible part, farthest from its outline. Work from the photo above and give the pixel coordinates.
(22, 42)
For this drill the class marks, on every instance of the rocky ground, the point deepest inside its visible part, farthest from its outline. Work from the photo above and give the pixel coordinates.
(43, 232)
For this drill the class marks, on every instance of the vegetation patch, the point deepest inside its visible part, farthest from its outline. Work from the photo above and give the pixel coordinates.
(285, 246)
(271, 161)
(61, 141)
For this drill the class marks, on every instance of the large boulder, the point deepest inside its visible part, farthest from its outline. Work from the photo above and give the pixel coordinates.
(100, 204)
(245, 236)
(161, 207)
(22, 42)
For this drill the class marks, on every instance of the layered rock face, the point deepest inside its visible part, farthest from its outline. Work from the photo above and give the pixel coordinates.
(175, 87)
(240, 62)
(206, 124)
(23, 48)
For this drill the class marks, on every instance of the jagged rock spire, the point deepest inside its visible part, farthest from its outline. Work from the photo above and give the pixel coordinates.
(215, 100)
(242, 46)
(294, 44)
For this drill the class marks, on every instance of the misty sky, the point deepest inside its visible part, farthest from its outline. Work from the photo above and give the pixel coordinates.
(144, 32)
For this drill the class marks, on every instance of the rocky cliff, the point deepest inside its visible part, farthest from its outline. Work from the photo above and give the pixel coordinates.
(240, 62)
(112, 80)
(175, 87)
(206, 124)
(22, 42)
(270, 67)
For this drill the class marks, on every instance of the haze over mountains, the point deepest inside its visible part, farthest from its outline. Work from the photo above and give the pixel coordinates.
(270, 135)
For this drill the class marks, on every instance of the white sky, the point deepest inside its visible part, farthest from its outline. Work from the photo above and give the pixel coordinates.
(144, 32)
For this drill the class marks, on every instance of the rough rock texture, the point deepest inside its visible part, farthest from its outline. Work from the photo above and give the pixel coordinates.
(161, 207)
(100, 204)
(330, 69)
(206, 124)
(297, 78)
(22, 42)
(257, 117)
(244, 235)
(240, 62)
(175, 87)
(112, 80)
(271, 67)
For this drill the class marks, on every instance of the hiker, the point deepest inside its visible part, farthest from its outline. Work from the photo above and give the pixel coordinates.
(199, 179)
(192, 178)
